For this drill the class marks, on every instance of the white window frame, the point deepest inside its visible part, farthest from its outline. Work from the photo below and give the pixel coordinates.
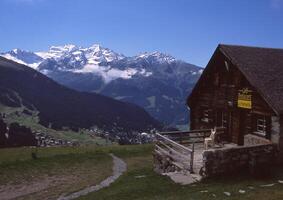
(205, 115)
(261, 125)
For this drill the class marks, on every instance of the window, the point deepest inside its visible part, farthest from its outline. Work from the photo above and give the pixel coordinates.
(206, 116)
(261, 125)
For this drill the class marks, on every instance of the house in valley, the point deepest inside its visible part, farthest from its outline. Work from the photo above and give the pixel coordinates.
(241, 89)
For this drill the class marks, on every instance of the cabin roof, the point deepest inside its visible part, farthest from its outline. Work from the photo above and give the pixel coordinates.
(263, 68)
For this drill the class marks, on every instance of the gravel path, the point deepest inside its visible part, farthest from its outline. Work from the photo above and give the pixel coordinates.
(119, 168)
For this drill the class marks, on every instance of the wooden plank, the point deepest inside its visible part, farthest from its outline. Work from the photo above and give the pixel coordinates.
(191, 131)
(174, 143)
(168, 154)
(186, 156)
(184, 138)
(180, 132)
(182, 166)
(192, 159)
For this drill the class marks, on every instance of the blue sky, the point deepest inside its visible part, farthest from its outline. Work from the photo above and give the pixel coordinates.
(188, 30)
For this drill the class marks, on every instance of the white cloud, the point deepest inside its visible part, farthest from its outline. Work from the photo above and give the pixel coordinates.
(109, 74)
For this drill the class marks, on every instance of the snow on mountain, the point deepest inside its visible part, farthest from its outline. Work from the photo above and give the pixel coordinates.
(94, 59)
(56, 52)
(94, 54)
(157, 56)
(156, 81)
(23, 57)
(100, 61)
(70, 53)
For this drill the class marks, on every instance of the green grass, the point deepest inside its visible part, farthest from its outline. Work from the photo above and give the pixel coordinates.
(92, 164)
(154, 186)
(32, 121)
(65, 169)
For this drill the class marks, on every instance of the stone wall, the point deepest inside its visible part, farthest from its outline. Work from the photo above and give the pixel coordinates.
(250, 140)
(234, 159)
(280, 139)
(163, 164)
(275, 129)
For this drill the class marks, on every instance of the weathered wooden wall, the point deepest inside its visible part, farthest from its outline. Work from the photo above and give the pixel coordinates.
(218, 90)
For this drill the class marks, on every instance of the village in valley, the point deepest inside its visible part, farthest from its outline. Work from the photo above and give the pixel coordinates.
(80, 120)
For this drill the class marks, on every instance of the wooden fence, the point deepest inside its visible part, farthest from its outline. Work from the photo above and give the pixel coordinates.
(174, 146)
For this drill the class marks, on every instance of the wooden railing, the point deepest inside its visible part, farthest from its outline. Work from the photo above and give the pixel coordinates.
(171, 145)
(193, 136)
(179, 155)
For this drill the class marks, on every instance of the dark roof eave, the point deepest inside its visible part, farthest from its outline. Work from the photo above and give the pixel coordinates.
(189, 98)
(278, 112)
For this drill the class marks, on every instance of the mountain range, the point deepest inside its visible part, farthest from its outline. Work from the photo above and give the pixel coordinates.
(58, 107)
(155, 81)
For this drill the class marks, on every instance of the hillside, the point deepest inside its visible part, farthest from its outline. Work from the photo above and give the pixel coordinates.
(60, 171)
(58, 106)
(156, 81)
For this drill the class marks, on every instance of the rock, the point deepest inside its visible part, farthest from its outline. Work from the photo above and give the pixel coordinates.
(268, 185)
(242, 191)
(227, 194)
(141, 176)
(181, 178)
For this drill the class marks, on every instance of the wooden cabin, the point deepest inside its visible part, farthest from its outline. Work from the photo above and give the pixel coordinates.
(241, 89)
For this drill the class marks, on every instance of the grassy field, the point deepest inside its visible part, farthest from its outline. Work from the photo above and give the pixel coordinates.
(140, 182)
(71, 169)
(56, 171)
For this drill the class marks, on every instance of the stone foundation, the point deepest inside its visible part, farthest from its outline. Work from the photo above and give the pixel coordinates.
(234, 159)
(250, 140)
(163, 164)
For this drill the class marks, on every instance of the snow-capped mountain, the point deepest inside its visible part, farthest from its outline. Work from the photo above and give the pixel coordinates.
(24, 57)
(156, 81)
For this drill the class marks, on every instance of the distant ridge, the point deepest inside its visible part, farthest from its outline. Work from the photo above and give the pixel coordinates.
(60, 106)
(156, 81)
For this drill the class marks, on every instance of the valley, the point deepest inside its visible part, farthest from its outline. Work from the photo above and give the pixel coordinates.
(47, 136)
(30, 99)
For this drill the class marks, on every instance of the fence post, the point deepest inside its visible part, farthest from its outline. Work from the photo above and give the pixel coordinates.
(192, 159)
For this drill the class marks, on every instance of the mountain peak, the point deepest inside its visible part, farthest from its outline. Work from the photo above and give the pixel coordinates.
(16, 50)
(65, 48)
(85, 59)
(158, 56)
(96, 47)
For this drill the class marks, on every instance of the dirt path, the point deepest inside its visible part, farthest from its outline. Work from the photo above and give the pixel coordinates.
(8, 192)
(119, 167)
(13, 191)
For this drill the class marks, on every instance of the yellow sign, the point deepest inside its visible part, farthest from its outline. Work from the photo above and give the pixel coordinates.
(245, 98)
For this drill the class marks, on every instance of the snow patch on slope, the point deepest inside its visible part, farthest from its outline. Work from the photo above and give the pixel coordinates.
(97, 60)
(10, 57)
